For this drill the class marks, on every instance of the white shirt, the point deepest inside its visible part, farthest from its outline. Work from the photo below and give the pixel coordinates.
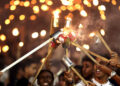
(105, 84)
(81, 83)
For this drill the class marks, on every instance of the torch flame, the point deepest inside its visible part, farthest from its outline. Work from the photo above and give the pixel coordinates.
(102, 32)
(68, 19)
(92, 34)
(56, 17)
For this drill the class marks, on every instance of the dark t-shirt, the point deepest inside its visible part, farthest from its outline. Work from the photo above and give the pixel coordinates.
(22, 82)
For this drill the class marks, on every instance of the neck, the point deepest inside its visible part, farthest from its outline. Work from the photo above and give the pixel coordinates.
(101, 80)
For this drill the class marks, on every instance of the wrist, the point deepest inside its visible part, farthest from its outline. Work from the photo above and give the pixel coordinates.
(112, 74)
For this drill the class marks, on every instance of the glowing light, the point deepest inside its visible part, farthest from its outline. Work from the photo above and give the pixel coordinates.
(83, 13)
(63, 8)
(43, 60)
(44, 7)
(65, 2)
(92, 34)
(7, 21)
(103, 17)
(49, 3)
(11, 17)
(102, 32)
(102, 8)
(22, 17)
(0, 27)
(80, 26)
(78, 6)
(21, 44)
(56, 17)
(0, 49)
(41, 1)
(114, 2)
(12, 7)
(86, 2)
(17, 2)
(2, 37)
(36, 9)
(33, 1)
(86, 46)
(35, 35)
(5, 48)
(119, 8)
(15, 32)
(32, 17)
(95, 2)
(21, 3)
(78, 49)
(43, 33)
(26, 4)
(68, 19)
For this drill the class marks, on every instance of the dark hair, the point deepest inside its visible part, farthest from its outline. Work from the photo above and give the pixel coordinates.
(78, 68)
(42, 71)
(86, 58)
(28, 62)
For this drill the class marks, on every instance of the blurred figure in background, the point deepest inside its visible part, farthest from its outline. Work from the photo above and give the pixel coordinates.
(29, 69)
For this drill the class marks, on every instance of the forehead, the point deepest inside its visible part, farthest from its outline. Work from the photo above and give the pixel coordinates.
(45, 73)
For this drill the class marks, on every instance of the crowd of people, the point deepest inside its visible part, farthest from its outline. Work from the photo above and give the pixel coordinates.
(104, 74)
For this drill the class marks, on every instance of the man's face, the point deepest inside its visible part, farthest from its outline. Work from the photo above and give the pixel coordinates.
(31, 70)
(45, 79)
(98, 73)
(87, 69)
(62, 81)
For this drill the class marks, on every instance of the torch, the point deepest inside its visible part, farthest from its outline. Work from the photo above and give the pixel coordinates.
(68, 20)
(85, 51)
(56, 18)
(105, 44)
(69, 64)
(54, 36)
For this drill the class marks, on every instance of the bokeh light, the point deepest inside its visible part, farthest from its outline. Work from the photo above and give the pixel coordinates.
(102, 32)
(17, 2)
(26, 4)
(36, 9)
(22, 17)
(5, 48)
(95, 2)
(78, 49)
(83, 13)
(80, 26)
(12, 7)
(42, 1)
(35, 35)
(15, 32)
(92, 34)
(43, 33)
(2, 37)
(0, 27)
(33, 17)
(49, 3)
(7, 21)
(21, 44)
(44, 7)
(86, 46)
(11, 17)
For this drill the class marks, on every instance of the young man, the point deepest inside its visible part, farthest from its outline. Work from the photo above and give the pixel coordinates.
(29, 68)
(62, 81)
(45, 78)
(87, 68)
(102, 74)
